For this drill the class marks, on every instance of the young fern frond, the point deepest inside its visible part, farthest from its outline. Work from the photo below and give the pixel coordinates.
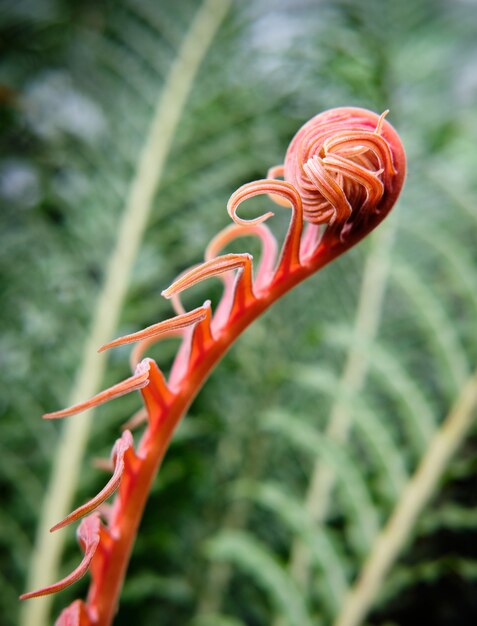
(343, 173)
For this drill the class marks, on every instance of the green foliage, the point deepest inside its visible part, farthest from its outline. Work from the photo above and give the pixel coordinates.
(254, 558)
(81, 83)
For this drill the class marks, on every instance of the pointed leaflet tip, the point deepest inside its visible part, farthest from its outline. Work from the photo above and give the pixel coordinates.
(380, 121)
(89, 532)
(260, 231)
(210, 268)
(174, 326)
(120, 448)
(162, 328)
(133, 383)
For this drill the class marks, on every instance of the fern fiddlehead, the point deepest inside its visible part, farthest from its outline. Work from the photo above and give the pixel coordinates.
(343, 172)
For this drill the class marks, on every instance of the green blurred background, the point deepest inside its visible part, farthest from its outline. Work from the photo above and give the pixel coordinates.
(79, 84)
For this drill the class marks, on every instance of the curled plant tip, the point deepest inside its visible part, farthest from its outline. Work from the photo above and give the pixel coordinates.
(347, 164)
(120, 448)
(162, 328)
(88, 534)
(268, 186)
(331, 192)
(133, 383)
(74, 615)
(291, 248)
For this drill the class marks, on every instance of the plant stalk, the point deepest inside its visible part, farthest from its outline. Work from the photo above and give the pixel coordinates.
(417, 493)
(104, 594)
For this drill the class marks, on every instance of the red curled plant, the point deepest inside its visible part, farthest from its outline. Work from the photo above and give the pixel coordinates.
(343, 171)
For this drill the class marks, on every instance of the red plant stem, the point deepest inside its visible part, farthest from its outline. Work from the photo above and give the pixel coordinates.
(136, 484)
(206, 341)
